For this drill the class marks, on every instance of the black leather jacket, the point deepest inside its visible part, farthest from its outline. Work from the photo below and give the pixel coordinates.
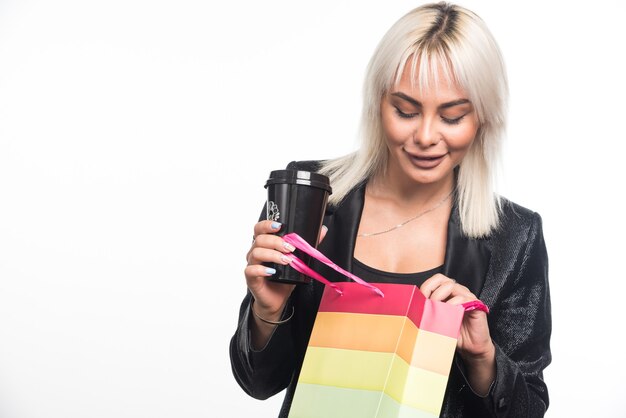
(508, 271)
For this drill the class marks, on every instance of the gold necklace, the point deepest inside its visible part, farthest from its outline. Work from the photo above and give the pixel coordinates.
(393, 228)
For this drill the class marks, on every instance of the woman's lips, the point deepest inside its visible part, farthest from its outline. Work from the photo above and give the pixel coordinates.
(426, 161)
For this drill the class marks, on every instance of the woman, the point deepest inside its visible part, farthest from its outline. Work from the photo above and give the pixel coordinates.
(415, 204)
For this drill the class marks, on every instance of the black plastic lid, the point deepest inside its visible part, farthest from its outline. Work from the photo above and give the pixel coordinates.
(307, 178)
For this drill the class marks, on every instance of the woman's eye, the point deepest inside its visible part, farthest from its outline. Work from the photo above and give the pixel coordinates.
(452, 121)
(405, 115)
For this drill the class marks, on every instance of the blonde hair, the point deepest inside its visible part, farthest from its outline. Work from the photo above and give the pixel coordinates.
(455, 40)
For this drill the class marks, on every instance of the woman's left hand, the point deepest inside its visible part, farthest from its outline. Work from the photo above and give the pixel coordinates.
(474, 343)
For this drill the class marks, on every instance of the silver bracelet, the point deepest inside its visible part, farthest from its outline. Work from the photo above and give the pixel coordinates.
(267, 321)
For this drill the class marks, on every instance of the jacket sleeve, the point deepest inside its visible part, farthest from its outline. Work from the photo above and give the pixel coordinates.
(520, 326)
(262, 373)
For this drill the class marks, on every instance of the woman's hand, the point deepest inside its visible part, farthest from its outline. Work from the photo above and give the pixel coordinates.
(474, 343)
(269, 297)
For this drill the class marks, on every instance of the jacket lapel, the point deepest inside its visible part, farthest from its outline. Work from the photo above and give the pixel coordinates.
(467, 259)
(343, 225)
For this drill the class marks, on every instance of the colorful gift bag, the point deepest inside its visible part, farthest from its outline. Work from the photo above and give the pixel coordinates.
(378, 351)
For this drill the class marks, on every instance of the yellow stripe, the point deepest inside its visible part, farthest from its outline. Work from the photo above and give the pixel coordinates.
(415, 387)
(366, 370)
(346, 368)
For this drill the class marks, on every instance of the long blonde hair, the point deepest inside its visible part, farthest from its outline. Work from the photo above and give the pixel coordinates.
(456, 40)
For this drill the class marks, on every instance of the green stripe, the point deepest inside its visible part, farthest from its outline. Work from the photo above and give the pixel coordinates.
(319, 401)
(389, 408)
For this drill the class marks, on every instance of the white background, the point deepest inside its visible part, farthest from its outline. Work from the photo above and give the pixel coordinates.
(135, 139)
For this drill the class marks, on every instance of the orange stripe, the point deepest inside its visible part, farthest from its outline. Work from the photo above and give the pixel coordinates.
(386, 334)
(357, 331)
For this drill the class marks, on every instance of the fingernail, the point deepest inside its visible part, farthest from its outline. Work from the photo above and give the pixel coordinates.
(276, 225)
(289, 247)
(286, 259)
(270, 271)
(324, 227)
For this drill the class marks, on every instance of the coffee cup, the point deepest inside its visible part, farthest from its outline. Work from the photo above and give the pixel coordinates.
(297, 199)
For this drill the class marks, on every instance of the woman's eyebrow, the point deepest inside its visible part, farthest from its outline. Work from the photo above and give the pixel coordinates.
(419, 104)
(453, 103)
(407, 98)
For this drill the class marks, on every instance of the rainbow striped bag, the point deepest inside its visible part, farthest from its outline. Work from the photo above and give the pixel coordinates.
(378, 351)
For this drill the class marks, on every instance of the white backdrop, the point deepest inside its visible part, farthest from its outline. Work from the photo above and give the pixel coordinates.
(135, 139)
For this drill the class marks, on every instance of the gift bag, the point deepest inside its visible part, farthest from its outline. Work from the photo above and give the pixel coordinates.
(375, 351)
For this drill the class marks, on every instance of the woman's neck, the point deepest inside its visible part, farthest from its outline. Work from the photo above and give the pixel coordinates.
(407, 192)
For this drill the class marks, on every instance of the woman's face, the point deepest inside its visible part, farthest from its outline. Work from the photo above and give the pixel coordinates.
(427, 133)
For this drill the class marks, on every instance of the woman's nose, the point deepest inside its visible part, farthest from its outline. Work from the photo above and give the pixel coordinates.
(426, 133)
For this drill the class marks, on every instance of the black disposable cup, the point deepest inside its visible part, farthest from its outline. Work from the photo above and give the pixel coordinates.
(297, 199)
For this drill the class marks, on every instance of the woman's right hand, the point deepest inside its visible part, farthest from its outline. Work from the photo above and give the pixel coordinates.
(269, 297)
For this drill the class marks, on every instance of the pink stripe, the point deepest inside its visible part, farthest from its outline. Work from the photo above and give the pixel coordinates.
(441, 318)
(358, 299)
(401, 300)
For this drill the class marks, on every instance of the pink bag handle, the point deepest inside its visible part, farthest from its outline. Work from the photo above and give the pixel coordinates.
(299, 265)
(298, 242)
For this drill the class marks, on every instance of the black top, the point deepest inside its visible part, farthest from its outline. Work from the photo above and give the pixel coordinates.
(372, 275)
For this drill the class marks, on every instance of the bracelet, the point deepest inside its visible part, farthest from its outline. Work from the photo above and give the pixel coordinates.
(267, 321)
